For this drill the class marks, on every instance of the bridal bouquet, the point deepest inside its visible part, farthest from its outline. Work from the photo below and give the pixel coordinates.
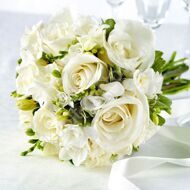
(92, 91)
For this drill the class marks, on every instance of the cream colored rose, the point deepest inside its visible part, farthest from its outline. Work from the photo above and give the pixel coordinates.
(73, 144)
(120, 123)
(46, 125)
(81, 72)
(130, 45)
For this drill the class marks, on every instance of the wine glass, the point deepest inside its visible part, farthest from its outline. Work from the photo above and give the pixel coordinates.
(187, 4)
(115, 4)
(187, 39)
(152, 11)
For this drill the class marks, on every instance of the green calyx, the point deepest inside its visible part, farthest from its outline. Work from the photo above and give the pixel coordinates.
(56, 73)
(14, 94)
(19, 61)
(30, 132)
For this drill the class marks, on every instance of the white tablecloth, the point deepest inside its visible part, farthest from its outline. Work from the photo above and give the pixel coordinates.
(38, 172)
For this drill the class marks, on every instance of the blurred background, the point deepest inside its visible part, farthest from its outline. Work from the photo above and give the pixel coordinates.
(170, 20)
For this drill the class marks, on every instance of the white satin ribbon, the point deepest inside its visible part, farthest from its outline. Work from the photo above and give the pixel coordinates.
(123, 170)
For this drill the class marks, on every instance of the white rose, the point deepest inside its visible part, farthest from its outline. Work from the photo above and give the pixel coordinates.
(130, 45)
(148, 82)
(73, 144)
(46, 125)
(81, 72)
(120, 123)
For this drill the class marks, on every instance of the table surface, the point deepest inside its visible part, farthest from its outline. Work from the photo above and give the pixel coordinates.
(51, 172)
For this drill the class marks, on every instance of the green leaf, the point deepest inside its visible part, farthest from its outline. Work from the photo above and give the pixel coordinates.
(157, 105)
(111, 25)
(172, 71)
(161, 120)
(159, 62)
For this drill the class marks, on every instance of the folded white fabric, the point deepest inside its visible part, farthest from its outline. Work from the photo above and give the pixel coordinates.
(171, 149)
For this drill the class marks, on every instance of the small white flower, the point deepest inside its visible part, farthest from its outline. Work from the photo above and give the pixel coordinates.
(92, 103)
(46, 125)
(26, 118)
(148, 82)
(112, 90)
(25, 78)
(90, 33)
(81, 72)
(73, 145)
(97, 156)
(130, 45)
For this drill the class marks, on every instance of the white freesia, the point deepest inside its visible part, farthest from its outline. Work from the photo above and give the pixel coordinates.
(46, 125)
(120, 123)
(90, 33)
(81, 72)
(25, 78)
(130, 45)
(92, 103)
(26, 118)
(113, 89)
(148, 82)
(97, 156)
(73, 144)
(31, 44)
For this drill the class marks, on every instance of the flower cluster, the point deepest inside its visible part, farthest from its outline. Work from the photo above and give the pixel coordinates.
(88, 90)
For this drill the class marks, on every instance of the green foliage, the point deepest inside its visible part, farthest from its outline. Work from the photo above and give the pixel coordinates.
(157, 105)
(36, 144)
(111, 25)
(136, 148)
(79, 116)
(172, 71)
(94, 90)
(50, 58)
